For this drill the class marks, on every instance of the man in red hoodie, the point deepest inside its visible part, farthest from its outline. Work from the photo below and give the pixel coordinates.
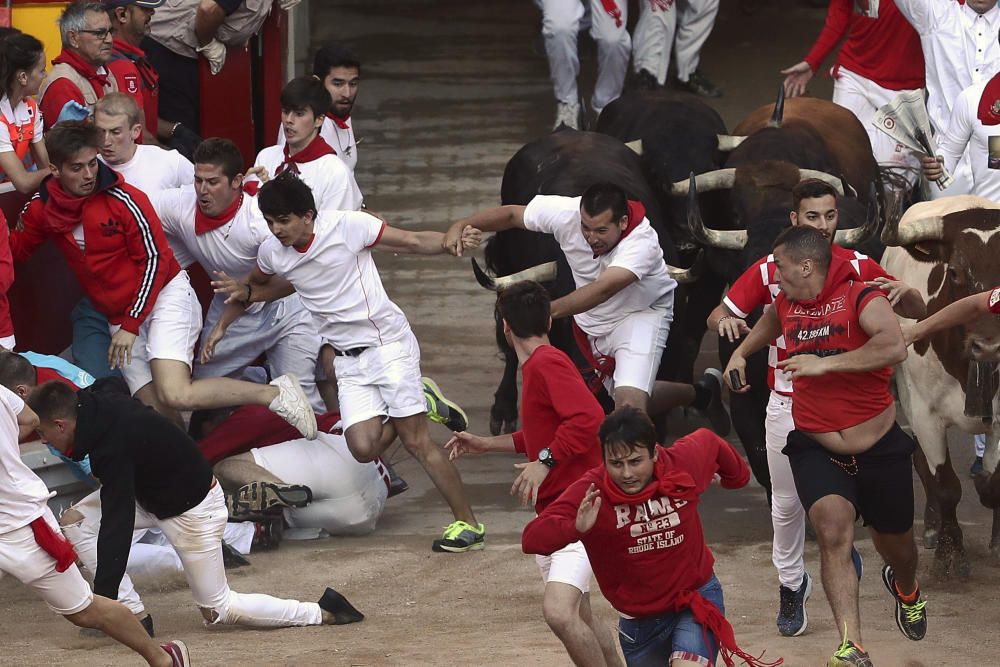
(561, 418)
(848, 456)
(638, 513)
(111, 238)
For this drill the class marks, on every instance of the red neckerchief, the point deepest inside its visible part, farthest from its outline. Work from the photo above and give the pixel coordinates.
(666, 481)
(611, 7)
(53, 543)
(989, 103)
(138, 58)
(88, 71)
(206, 223)
(339, 121)
(63, 212)
(316, 149)
(636, 213)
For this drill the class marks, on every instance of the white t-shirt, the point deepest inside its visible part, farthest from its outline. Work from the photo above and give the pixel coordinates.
(153, 170)
(20, 116)
(966, 135)
(960, 49)
(338, 282)
(639, 252)
(332, 183)
(340, 140)
(23, 496)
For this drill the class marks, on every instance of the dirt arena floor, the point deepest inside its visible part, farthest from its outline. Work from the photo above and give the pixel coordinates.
(451, 89)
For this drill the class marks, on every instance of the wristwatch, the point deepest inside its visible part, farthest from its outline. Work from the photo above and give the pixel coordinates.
(545, 458)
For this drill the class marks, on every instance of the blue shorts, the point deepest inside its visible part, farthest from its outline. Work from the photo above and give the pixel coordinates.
(656, 640)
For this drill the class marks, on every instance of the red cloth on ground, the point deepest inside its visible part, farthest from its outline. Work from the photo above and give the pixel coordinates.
(53, 543)
(558, 411)
(648, 550)
(254, 426)
(885, 50)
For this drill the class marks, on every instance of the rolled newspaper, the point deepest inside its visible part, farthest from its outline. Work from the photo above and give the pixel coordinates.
(905, 120)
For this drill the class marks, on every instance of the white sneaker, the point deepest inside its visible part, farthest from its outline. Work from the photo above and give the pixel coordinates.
(567, 115)
(292, 405)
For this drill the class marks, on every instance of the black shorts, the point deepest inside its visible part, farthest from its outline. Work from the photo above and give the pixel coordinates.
(878, 482)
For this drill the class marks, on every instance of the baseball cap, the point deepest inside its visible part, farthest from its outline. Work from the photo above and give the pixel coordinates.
(149, 4)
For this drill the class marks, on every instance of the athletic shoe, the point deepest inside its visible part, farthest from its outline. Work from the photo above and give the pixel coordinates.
(343, 612)
(147, 624)
(93, 633)
(977, 467)
(231, 558)
(442, 411)
(267, 496)
(911, 617)
(849, 655)
(178, 652)
(859, 564)
(567, 116)
(715, 411)
(792, 620)
(397, 484)
(698, 84)
(292, 405)
(267, 534)
(461, 536)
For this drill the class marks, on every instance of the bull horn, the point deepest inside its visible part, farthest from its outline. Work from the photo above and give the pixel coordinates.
(851, 238)
(922, 229)
(779, 108)
(719, 179)
(726, 239)
(835, 181)
(690, 275)
(728, 142)
(482, 277)
(635, 146)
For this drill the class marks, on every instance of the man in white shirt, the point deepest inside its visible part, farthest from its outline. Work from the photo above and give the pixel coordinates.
(217, 224)
(624, 297)
(959, 41)
(304, 104)
(326, 258)
(34, 550)
(340, 71)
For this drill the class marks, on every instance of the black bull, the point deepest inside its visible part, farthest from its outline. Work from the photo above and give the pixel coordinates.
(563, 163)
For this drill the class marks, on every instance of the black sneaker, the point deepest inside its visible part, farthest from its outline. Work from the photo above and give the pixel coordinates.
(231, 558)
(715, 411)
(849, 655)
(397, 484)
(265, 496)
(698, 84)
(911, 618)
(792, 620)
(460, 537)
(343, 612)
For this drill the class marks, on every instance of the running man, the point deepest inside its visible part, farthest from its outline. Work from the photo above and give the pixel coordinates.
(326, 258)
(848, 456)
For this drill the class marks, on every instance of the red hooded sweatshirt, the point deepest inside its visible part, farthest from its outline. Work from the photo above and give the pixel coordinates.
(126, 260)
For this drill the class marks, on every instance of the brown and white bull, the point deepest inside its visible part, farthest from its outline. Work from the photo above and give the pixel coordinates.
(949, 249)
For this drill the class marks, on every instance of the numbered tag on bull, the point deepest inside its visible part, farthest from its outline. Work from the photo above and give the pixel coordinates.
(867, 8)
(980, 388)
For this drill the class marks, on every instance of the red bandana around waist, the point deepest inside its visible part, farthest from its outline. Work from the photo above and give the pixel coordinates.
(989, 103)
(340, 122)
(97, 80)
(206, 223)
(316, 149)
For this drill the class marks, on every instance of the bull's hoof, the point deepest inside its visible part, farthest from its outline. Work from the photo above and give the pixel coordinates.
(951, 564)
(930, 539)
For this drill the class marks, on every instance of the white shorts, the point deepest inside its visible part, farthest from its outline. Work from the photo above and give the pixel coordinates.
(170, 331)
(383, 380)
(569, 565)
(64, 592)
(637, 344)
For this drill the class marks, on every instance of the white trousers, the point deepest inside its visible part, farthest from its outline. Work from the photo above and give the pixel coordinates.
(863, 98)
(788, 517)
(681, 25)
(560, 25)
(283, 330)
(196, 535)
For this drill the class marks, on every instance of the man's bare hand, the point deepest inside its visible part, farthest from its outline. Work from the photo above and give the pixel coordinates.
(796, 78)
(259, 172)
(453, 239)
(236, 290)
(894, 289)
(733, 328)
(527, 483)
(803, 365)
(464, 443)
(471, 237)
(208, 349)
(120, 351)
(590, 506)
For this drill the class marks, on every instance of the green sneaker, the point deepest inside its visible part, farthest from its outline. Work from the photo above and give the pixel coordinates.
(849, 655)
(442, 411)
(461, 536)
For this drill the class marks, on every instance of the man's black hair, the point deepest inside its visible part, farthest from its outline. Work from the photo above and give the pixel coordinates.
(625, 429)
(21, 52)
(333, 54)
(222, 153)
(53, 400)
(286, 195)
(15, 370)
(525, 307)
(804, 242)
(811, 188)
(601, 197)
(306, 92)
(200, 419)
(66, 139)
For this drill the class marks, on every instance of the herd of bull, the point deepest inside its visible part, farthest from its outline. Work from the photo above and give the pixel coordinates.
(718, 201)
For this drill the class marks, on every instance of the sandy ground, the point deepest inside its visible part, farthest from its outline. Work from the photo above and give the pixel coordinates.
(451, 90)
